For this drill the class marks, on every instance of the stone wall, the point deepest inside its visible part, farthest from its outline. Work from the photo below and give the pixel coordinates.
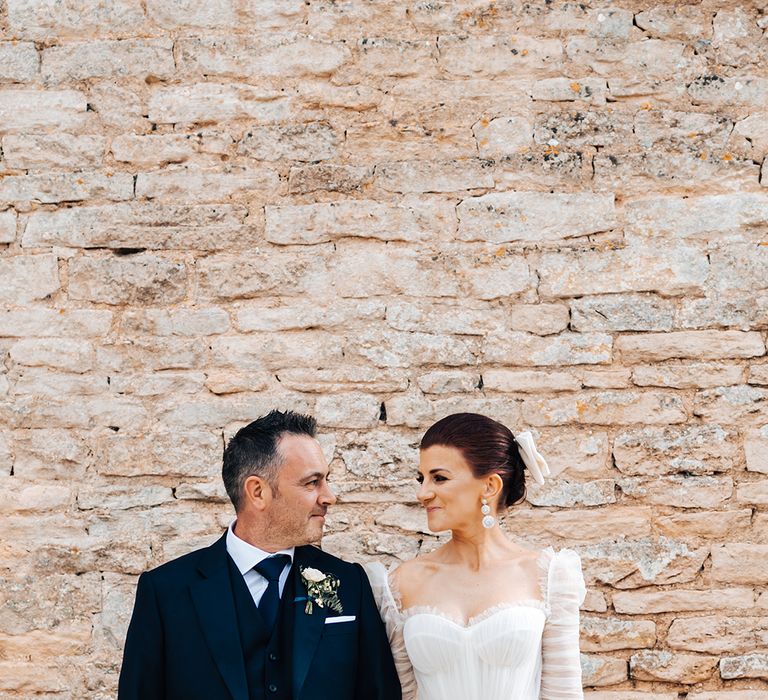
(381, 213)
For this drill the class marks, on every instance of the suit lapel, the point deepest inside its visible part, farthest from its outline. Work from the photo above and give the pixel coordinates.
(307, 629)
(212, 597)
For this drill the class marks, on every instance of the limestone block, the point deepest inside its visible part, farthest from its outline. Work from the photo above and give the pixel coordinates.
(578, 453)
(589, 90)
(25, 110)
(204, 185)
(54, 187)
(72, 555)
(159, 383)
(567, 130)
(684, 22)
(32, 677)
(731, 404)
(605, 379)
(675, 128)
(730, 694)
(448, 382)
(671, 270)
(756, 450)
(185, 453)
(410, 220)
(206, 102)
(502, 217)
(691, 375)
(140, 58)
(693, 449)
(653, 665)
(628, 695)
(137, 355)
(566, 494)
(622, 312)
(304, 314)
(23, 497)
(735, 310)
(541, 319)
(529, 381)
(8, 226)
(66, 354)
(747, 666)
(682, 600)
(717, 634)
(66, 639)
(754, 492)
(349, 410)
(408, 518)
(377, 455)
(739, 266)
(133, 279)
(581, 525)
(6, 453)
(610, 634)
(43, 151)
(717, 92)
(414, 411)
(740, 563)
(607, 408)
(496, 277)
(754, 132)
(45, 382)
(328, 177)
(212, 492)
(377, 141)
(142, 225)
(48, 19)
(345, 377)
(426, 316)
(225, 381)
(190, 322)
(274, 351)
(153, 149)
(758, 374)
(707, 525)
(696, 216)
(396, 57)
(313, 141)
(502, 135)
(405, 350)
(122, 105)
(522, 349)
(489, 55)
(602, 670)
(640, 562)
(225, 276)
(19, 61)
(681, 491)
(122, 497)
(223, 14)
(259, 55)
(434, 176)
(28, 278)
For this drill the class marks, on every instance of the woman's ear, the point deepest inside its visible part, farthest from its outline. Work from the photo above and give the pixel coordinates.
(493, 487)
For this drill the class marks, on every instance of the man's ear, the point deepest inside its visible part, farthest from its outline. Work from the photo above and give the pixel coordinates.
(257, 492)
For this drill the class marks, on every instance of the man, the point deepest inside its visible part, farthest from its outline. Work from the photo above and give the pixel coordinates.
(260, 614)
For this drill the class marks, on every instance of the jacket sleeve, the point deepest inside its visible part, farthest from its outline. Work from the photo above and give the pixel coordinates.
(141, 675)
(377, 677)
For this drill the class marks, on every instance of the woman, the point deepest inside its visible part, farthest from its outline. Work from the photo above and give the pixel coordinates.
(481, 618)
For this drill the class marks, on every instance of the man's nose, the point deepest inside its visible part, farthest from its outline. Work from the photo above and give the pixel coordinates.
(327, 496)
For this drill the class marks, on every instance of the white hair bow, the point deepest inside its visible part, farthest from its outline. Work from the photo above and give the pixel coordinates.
(536, 464)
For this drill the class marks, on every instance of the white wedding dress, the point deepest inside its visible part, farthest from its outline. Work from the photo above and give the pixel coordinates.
(521, 650)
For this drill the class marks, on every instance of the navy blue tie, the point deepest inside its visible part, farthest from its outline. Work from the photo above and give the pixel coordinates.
(271, 568)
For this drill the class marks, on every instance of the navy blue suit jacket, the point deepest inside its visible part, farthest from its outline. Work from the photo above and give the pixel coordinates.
(183, 642)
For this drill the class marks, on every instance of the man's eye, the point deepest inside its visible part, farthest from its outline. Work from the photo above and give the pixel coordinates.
(314, 482)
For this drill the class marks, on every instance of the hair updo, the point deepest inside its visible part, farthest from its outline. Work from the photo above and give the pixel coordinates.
(488, 446)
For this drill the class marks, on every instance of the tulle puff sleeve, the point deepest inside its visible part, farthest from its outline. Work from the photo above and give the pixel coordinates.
(564, 594)
(393, 621)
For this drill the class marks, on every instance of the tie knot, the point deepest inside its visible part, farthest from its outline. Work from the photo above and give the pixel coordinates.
(271, 567)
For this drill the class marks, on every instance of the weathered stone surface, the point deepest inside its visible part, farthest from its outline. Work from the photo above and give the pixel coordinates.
(351, 410)
(740, 563)
(708, 345)
(42, 151)
(522, 349)
(69, 355)
(607, 407)
(502, 135)
(602, 670)
(747, 666)
(675, 128)
(682, 600)
(7, 226)
(141, 354)
(541, 319)
(529, 216)
(122, 497)
(134, 279)
(328, 177)
(204, 101)
(730, 694)
(739, 266)
(731, 404)
(276, 351)
(755, 492)
(19, 62)
(54, 187)
(667, 269)
(23, 110)
(705, 449)
(144, 58)
(580, 525)
(301, 314)
(684, 22)
(590, 90)
(681, 491)
(675, 668)
(611, 634)
(758, 374)
(756, 450)
(314, 141)
(578, 453)
(717, 634)
(409, 518)
(205, 145)
(320, 223)
(622, 312)
(529, 381)
(449, 382)
(205, 185)
(397, 349)
(566, 494)
(707, 525)
(694, 375)
(498, 55)
(430, 176)
(189, 322)
(28, 278)
(28, 498)
(345, 377)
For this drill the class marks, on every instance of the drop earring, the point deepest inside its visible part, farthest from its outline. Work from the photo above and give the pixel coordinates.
(488, 520)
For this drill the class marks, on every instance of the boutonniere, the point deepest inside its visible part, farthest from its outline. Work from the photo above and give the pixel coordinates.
(321, 590)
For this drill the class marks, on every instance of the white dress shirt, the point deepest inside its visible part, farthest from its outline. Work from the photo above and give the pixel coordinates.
(246, 556)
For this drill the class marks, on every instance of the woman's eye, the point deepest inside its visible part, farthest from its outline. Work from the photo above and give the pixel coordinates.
(420, 479)
(439, 478)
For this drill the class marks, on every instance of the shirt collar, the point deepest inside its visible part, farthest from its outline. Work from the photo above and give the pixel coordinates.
(245, 555)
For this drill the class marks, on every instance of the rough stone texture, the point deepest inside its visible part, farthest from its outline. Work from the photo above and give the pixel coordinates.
(383, 213)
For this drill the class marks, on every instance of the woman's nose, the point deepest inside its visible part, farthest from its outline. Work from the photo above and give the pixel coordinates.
(424, 493)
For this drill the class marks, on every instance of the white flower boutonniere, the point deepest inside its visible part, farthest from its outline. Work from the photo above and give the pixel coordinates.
(321, 590)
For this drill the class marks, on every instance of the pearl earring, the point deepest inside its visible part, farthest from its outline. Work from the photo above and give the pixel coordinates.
(488, 520)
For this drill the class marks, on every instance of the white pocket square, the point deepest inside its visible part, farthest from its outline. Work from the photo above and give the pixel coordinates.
(340, 618)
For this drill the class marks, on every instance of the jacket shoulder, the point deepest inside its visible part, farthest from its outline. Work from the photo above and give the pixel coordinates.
(187, 564)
